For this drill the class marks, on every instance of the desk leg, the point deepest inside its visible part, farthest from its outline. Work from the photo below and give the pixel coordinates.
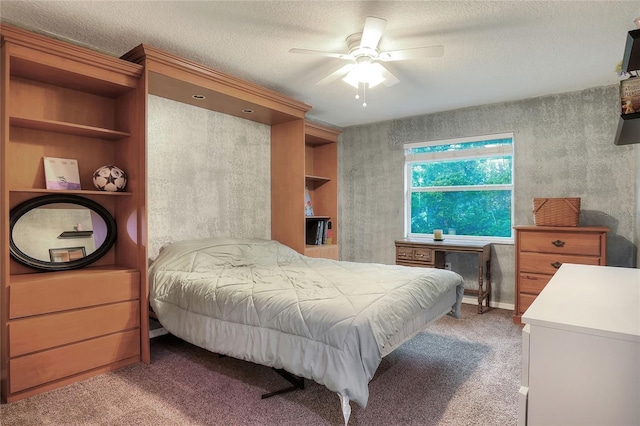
(484, 282)
(488, 275)
(480, 282)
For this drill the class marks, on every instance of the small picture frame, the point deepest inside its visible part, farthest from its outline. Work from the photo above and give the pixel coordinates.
(66, 254)
(61, 173)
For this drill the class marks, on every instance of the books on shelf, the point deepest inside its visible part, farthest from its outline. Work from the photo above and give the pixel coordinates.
(318, 232)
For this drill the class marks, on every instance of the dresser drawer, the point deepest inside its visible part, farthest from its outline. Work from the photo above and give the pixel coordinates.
(524, 301)
(587, 244)
(71, 291)
(533, 283)
(47, 331)
(44, 367)
(549, 263)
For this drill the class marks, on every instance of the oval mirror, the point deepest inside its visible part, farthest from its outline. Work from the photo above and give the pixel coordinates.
(60, 232)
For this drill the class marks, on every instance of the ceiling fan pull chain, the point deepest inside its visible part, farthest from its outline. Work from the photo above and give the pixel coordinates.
(364, 95)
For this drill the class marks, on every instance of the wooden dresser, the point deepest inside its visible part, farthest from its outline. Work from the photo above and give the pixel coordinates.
(541, 250)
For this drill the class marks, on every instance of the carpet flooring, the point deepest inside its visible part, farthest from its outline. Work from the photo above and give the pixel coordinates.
(458, 372)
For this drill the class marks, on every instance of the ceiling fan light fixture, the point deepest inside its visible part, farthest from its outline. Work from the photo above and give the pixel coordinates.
(364, 72)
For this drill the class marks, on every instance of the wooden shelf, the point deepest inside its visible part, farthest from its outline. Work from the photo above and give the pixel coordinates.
(64, 191)
(317, 217)
(317, 179)
(61, 275)
(76, 234)
(67, 128)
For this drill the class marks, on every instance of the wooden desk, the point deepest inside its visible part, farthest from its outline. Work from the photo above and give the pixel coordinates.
(431, 254)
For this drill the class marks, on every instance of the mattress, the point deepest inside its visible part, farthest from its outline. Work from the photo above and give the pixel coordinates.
(325, 320)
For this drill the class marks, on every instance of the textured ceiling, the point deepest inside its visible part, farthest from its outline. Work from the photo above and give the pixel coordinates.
(494, 51)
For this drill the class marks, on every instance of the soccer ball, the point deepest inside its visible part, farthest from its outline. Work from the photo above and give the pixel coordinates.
(110, 178)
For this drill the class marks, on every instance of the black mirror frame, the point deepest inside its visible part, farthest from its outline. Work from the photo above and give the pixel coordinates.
(25, 207)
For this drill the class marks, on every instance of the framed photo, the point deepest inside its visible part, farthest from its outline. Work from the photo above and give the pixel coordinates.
(61, 173)
(66, 254)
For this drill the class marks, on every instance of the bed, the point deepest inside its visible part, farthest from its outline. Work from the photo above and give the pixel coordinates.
(325, 320)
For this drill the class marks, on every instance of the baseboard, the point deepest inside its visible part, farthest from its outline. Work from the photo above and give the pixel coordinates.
(500, 305)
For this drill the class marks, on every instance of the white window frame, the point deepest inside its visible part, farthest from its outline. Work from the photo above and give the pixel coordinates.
(457, 155)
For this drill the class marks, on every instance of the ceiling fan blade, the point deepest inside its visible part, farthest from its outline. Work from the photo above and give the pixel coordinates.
(321, 53)
(389, 79)
(335, 75)
(373, 28)
(414, 53)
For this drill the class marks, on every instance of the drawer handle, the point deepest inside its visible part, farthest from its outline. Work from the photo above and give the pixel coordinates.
(420, 254)
(402, 254)
(558, 243)
(556, 264)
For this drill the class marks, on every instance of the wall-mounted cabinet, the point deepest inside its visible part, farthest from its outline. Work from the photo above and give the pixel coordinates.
(304, 157)
(60, 100)
(628, 131)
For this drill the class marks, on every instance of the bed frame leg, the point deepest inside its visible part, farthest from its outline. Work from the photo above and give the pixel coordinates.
(297, 382)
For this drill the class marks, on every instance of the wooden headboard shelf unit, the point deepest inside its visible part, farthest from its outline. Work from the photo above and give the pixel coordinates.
(177, 78)
(296, 144)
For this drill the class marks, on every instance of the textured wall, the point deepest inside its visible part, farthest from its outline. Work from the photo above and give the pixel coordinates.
(208, 175)
(637, 236)
(563, 147)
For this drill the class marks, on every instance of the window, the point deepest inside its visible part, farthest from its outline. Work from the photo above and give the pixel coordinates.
(462, 186)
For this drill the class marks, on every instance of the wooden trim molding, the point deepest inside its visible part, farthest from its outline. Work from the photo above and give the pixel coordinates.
(61, 48)
(177, 78)
(316, 133)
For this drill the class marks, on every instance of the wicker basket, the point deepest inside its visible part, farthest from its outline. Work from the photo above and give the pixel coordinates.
(556, 211)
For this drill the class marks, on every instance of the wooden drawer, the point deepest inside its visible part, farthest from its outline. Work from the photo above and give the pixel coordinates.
(533, 283)
(587, 244)
(549, 263)
(423, 255)
(404, 253)
(324, 251)
(44, 367)
(524, 301)
(414, 255)
(48, 331)
(71, 291)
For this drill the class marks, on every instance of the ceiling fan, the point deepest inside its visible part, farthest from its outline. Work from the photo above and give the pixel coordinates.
(365, 56)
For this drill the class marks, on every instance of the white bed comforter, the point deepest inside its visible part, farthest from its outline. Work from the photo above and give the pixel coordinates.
(261, 301)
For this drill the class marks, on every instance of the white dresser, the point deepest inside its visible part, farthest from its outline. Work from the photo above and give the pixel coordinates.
(581, 349)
